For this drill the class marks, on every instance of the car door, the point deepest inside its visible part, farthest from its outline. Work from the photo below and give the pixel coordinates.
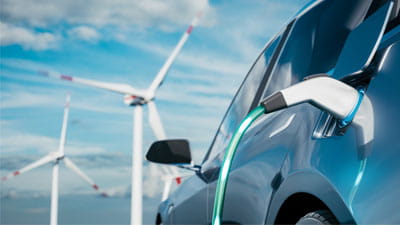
(368, 181)
(381, 180)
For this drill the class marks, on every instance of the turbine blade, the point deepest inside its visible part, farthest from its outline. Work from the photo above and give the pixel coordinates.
(114, 87)
(158, 130)
(85, 177)
(164, 69)
(48, 158)
(155, 121)
(166, 190)
(64, 125)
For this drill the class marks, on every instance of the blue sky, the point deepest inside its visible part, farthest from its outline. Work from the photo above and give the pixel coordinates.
(125, 42)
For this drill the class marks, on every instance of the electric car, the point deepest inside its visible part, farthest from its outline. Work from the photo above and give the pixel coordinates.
(301, 165)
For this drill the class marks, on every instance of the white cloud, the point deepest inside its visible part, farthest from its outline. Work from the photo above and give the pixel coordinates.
(92, 19)
(206, 59)
(150, 13)
(19, 142)
(28, 39)
(23, 64)
(39, 97)
(25, 99)
(84, 33)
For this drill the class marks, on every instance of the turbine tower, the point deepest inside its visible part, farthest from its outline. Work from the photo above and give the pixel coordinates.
(138, 98)
(55, 158)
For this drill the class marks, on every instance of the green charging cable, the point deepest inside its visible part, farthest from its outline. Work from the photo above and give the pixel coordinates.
(226, 164)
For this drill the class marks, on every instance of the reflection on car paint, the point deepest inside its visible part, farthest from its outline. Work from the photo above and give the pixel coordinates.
(283, 127)
(357, 182)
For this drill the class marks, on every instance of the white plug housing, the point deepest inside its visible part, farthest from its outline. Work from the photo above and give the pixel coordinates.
(324, 92)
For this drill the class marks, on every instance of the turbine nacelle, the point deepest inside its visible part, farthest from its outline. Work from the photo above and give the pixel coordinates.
(56, 155)
(133, 100)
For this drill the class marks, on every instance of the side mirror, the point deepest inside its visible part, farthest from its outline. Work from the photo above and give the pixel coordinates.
(170, 152)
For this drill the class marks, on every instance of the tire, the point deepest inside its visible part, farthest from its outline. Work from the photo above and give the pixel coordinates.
(321, 217)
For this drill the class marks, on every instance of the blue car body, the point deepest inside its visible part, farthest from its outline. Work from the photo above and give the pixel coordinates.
(282, 170)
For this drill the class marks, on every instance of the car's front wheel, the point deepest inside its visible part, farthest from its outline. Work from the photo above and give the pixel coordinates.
(320, 217)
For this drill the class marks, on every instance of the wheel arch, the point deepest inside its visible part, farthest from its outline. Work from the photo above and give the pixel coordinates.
(304, 192)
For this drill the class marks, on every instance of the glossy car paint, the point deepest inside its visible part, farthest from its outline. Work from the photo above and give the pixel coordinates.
(279, 167)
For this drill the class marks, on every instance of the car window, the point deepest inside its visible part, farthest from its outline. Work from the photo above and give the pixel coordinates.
(242, 101)
(312, 47)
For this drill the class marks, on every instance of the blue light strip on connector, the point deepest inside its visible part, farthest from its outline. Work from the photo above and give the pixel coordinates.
(351, 115)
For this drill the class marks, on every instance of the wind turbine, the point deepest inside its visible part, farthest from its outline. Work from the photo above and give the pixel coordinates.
(55, 158)
(138, 98)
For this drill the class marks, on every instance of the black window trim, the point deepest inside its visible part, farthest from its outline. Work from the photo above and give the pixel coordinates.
(272, 64)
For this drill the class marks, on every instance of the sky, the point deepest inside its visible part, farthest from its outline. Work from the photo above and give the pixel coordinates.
(122, 41)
